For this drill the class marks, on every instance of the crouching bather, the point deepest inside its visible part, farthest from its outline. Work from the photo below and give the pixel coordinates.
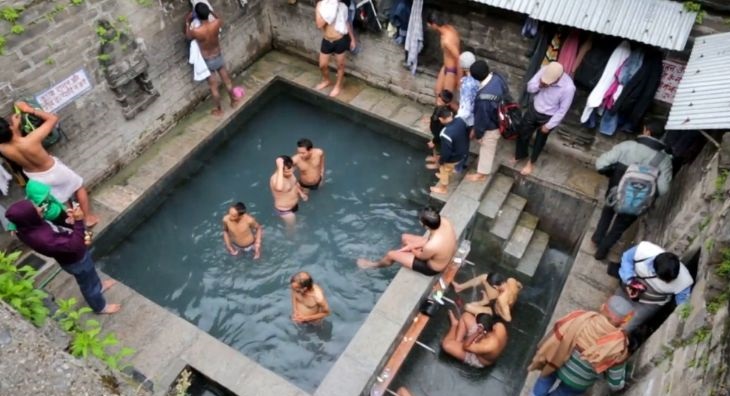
(498, 297)
(475, 340)
(428, 254)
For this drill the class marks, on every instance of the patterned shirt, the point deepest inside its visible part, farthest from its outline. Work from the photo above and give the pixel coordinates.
(467, 93)
(580, 375)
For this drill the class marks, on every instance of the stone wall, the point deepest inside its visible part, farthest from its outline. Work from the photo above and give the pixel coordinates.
(60, 38)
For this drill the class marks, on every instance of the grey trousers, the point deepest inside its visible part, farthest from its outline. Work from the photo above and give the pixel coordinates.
(642, 312)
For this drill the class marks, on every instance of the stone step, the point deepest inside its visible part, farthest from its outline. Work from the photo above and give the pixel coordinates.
(535, 250)
(516, 246)
(507, 216)
(496, 195)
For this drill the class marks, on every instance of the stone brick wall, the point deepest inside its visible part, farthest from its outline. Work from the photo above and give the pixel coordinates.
(60, 38)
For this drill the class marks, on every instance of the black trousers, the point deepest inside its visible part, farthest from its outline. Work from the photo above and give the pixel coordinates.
(604, 237)
(531, 121)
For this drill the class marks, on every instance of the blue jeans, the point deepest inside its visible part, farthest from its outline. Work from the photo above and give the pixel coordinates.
(88, 281)
(543, 385)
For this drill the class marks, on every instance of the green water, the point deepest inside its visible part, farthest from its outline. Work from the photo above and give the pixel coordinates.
(176, 257)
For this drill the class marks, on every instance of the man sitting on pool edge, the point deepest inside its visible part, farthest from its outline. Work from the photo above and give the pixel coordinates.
(429, 254)
(475, 340)
(310, 161)
(286, 189)
(238, 231)
(308, 302)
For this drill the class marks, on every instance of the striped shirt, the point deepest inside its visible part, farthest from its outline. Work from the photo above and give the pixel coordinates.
(580, 375)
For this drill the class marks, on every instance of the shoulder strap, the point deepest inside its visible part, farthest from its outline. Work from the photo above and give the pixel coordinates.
(658, 158)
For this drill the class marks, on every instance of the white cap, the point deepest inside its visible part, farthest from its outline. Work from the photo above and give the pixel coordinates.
(466, 59)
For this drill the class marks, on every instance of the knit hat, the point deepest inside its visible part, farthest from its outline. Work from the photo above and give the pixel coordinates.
(466, 59)
(619, 307)
(479, 70)
(552, 73)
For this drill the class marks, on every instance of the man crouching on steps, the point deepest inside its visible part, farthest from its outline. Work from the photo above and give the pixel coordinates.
(207, 36)
(429, 254)
(331, 17)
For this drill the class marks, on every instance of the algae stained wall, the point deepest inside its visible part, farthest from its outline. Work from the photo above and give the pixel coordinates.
(60, 38)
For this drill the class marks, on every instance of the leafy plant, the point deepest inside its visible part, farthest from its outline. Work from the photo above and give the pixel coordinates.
(723, 269)
(69, 318)
(17, 29)
(720, 184)
(685, 310)
(17, 289)
(701, 335)
(2, 44)
(144, 3)
(77, 2)
(10, 14)
(692, 6)
(104, 57)
(50, 61)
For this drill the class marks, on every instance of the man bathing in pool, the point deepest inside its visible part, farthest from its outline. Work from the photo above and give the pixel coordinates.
(310, 161)
(475, 340)
(286, 189)
(308, 303)
(428, 254)
(241, 232)
(498, 296)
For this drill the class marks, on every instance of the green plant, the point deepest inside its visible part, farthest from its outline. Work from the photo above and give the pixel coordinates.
(692, 6)
(10, 14)
(2, 44)
(685, 310)
(77, 2)
(701, 335)
(709, 244)
(50, 61)
(144, 3)
(720, 184)
(122, 19)
(17, 289)
(723, 268)
(104, 57)
(69, 318)
(17, 29)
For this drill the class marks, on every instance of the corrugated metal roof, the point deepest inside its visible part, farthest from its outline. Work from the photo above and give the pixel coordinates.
(661, 23)
(702, 100)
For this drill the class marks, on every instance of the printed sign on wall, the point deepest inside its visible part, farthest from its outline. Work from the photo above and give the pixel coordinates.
(671, 76)
(65, 91)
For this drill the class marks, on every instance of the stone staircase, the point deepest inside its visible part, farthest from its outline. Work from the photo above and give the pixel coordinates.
(506, 231)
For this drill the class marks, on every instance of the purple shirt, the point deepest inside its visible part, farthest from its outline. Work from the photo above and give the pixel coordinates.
(554, 100)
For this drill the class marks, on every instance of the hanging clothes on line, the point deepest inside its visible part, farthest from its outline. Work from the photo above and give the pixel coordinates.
(594, 62)
(529, 29)
(617, 58)
(569, 52)
(553, 49)
(611, 119)
(414, 36)
(638, 94)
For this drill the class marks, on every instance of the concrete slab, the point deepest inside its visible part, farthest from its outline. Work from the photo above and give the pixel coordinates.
(117, 197)
(521, 237)
(350, 90)
(388, 106)
(586, 181)
(508, 216)
(403, 295)
(593, 272)
(531, 259)
(344, 379)
(496, 195)
(474, 190)
(460, 210)
(368, 98)
(372, 341)
(408, 114)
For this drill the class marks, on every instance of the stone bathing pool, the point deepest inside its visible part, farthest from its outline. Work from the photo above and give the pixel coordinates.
(169, 248)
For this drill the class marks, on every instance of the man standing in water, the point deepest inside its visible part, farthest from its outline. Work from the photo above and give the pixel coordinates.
(331, 18)
(28, 152)
(475, 340)
(207, 36)
(238, 231)
(308, 302)
(429, 254)
(310, 162)
(450, 44)
(286, 190)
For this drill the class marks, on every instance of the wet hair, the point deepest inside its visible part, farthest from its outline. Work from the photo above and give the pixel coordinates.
(303, 279)
(444, 112)
(288, 163)
(435, 18)
(202, 11)
(5, 132)
(479, 70)
(495, 279)
(305, 143)
(487, 321)
(655, 128)
(666, 266)
(446, 95)
(240, 208)
(430, 218)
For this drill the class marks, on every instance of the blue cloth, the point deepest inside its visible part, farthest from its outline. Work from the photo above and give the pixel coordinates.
(543, 385)
(467, 94)
(400, 14)
(454, 142)
(627, 271)
(486, 117)
(609, 122)
(611, 119)
(88, 281)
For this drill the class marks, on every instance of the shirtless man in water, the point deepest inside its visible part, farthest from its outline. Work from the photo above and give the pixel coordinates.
(310, 162)
(28, 152)
(286, 190)
(207, 36)
(475, 340)
(498, 297)
(308, 303)
(238, 231)
(337, 38)
(429, 254)
(450, 73)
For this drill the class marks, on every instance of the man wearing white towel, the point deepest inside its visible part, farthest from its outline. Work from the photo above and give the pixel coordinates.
(337, 38)
(207, 36)
(28, 152)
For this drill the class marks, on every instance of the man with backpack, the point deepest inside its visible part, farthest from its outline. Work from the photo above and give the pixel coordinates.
(492, 87)
(651, 278)
(638, 171)
(553, 93)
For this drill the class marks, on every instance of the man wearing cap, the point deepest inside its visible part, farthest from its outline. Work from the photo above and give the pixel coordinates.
(486, 118)
(468, 87)
(582, 346)
(554, 91)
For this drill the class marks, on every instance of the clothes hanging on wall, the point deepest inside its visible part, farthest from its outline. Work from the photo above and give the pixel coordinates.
(595, 98)
(569, 52)
(589, 72)
(366, 17)
(414, 36)
(638, 94)
(554, 45)
(529, 29)
(536, 54)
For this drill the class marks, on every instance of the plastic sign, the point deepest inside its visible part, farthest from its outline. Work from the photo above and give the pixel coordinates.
(64, 92)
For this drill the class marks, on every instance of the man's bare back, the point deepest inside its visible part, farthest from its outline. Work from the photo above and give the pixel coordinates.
(490, 347)
(27, 153)
(443, 243)
(207, 36)
(451, 46)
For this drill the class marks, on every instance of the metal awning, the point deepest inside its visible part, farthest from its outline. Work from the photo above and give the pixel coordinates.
(702, 100)
(661, 23)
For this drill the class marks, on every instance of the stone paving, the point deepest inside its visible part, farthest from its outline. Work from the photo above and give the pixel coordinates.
(166, 342)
